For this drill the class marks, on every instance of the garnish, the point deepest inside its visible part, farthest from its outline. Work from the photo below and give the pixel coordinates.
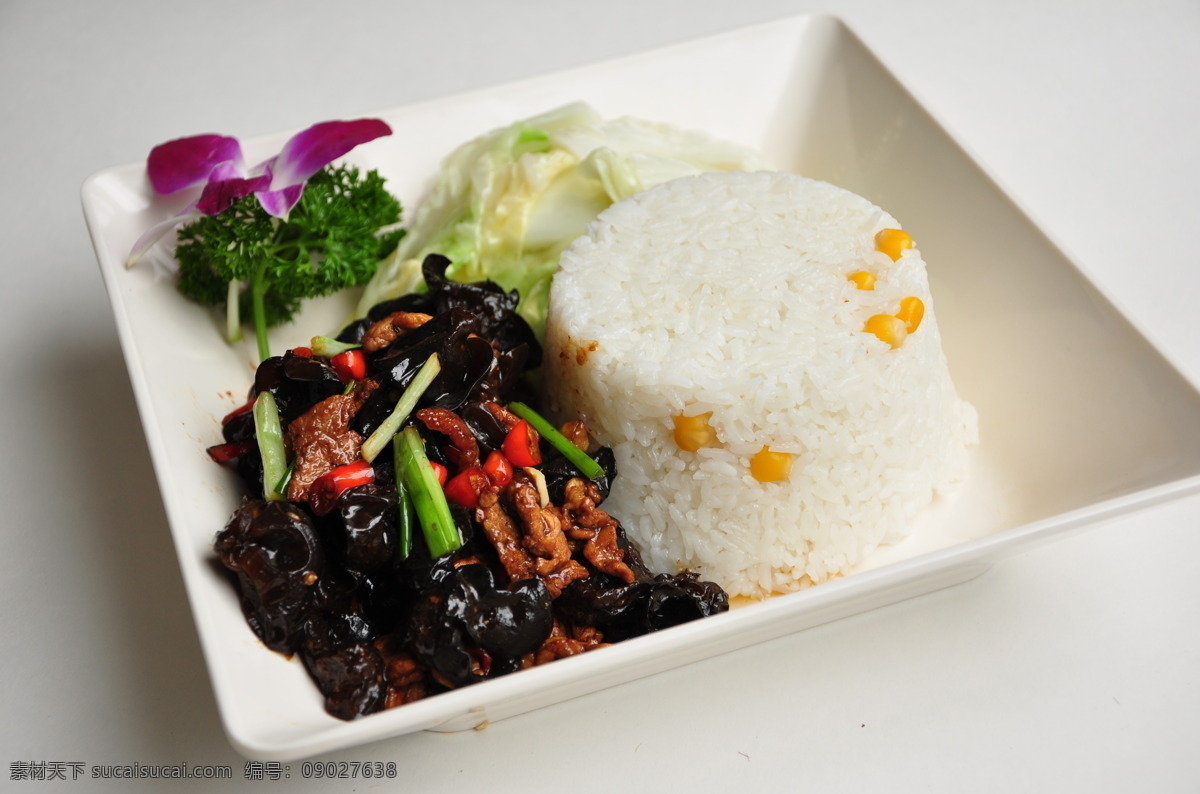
(216, 162)
(280, 232)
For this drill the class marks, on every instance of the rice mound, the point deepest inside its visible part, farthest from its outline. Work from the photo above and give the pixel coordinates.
(728, 293)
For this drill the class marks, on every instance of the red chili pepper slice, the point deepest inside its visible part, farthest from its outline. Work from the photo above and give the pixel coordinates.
(236, 412)
(305, 352)
(464, 488)
(521, 445)
(326, 489)
(350, 365)
(223, 453)
(498, 470)
(440, 471)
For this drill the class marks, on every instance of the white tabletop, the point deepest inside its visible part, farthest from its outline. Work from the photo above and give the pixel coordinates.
(1071, 667)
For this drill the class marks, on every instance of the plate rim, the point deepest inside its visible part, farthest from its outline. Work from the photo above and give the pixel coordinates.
(967, 555)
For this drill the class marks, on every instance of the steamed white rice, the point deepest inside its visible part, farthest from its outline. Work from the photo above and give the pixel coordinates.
(728, 293)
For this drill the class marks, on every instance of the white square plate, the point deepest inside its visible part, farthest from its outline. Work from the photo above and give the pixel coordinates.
(1081, 418)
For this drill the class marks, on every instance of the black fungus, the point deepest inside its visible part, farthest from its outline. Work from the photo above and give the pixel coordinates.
(651, 603)
(399, 362)
(421, 302)
(487, 429)
(496, 308)
(335, 590)
(466, 362)
(463, 364)
(621, 611)
(386, 600)
(298, 383)
(364, 525)
(351, 678)
(276, 554)
(249, 464)
(325, 632)
(558, 471)
(353, 333)
(418, 571)
(374, 411)
(465, 622)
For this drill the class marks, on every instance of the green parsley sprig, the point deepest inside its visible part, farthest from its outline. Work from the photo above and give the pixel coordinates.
(334, 237)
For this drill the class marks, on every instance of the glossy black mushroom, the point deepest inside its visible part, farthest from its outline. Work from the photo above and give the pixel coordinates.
(351, 678)
(558, 471)
(466, 363)
(298, 383)
(399, 362)
(395, 367)
(466, 624)
(621, 611)
(369, 622)
(487, 429)
(274, 550)
(326, 632)
(651, 603)
(354, 332)
(419, 572)
(240, 430)
(495, 308)
(363, 526)
(421, 302)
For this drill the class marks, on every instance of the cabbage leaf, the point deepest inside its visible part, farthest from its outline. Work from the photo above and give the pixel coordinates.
(505, 205)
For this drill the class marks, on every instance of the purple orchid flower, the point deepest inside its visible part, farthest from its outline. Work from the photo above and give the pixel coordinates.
(215, 161)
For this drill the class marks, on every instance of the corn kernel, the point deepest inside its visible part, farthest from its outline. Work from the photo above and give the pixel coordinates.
(768, 466)
(893, 242)
(889, 328)
(693, 432)
(912, 311)
(862, 279)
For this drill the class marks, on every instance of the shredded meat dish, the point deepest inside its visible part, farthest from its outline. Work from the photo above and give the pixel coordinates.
(339, 574)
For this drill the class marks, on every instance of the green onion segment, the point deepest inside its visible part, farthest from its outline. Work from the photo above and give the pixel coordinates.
(404, 406)
(580, 459)
(326, 347)
(404, 506)
(433, 512)
(270, 444)
(286, 480)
